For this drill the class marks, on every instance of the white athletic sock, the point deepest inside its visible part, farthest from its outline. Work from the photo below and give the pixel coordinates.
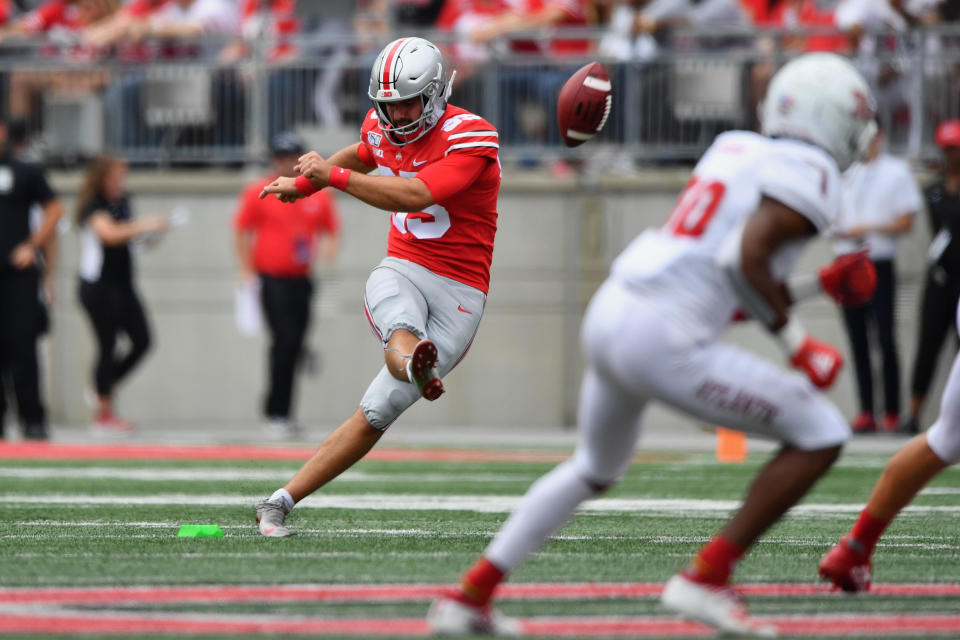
(284, 495)
(546, 507)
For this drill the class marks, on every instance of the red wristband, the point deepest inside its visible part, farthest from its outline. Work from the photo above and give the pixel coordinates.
(304, 186)
(339, 177)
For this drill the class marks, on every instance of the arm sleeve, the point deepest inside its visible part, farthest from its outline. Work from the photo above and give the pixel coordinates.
(365, 155)
(448, 177)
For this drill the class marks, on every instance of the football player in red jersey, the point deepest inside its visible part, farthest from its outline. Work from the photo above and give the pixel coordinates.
(439, 176)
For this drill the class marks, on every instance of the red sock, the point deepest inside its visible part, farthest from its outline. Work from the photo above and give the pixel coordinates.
(867, 531)
(480, 580)
(715, 562)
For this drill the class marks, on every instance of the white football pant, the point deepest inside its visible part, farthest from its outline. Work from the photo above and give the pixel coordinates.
(944, 436)
(403, 295)
(635, 351)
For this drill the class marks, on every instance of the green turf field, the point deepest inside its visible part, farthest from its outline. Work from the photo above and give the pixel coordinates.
(108, 523)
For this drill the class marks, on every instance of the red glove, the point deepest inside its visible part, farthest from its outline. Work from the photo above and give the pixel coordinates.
(819, 360)
(850, 279)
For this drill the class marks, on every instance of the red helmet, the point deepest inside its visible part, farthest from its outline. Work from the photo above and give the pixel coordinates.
(948, 134)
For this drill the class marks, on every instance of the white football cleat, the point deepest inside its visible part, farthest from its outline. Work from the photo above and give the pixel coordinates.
(270, 518)
(450, 617)
(719, 607)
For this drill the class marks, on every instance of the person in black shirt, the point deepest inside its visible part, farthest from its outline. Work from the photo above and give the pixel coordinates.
(106, 223)
(942, 288)
(21, 315)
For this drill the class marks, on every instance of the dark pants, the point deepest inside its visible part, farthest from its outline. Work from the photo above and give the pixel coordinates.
(20, 326)
(938, 314)
(879, 313)
(286, 306)
(115, 308)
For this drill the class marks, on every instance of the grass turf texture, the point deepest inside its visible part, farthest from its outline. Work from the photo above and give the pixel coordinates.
(84, 544)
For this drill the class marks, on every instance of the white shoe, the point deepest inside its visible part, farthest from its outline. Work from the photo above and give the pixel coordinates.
(271, 515)
(719, 607)
(283, 429)
(450, 617)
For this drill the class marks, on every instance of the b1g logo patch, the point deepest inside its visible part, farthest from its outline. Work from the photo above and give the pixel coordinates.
(374, 138)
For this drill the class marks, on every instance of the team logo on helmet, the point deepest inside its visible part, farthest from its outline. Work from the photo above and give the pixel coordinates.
(864, 109)
(785, 103)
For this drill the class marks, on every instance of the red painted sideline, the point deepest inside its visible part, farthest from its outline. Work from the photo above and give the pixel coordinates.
(417, 592)
(55, 451)
(832, 625)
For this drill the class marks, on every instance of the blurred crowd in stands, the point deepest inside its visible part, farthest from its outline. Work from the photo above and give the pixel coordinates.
(101, 47)
(140, 30)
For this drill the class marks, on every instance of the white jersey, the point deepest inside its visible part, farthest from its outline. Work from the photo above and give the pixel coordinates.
(678, 262)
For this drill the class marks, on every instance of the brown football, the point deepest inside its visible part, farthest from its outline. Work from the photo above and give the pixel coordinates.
(584, 104)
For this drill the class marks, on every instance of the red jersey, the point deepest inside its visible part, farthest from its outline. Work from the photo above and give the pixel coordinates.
(286, 233)
(50, 14)
(458, 161)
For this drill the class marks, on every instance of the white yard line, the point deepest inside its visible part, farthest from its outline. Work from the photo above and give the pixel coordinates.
(428, 502)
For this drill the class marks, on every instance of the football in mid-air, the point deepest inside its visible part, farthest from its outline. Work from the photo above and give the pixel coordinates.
(584, 104)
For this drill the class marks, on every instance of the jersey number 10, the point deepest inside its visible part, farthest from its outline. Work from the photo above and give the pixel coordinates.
(695, 207)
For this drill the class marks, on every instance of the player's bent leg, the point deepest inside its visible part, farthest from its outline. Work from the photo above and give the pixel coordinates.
(412, 359)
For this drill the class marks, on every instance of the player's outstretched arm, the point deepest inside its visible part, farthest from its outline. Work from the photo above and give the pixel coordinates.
(383, 192)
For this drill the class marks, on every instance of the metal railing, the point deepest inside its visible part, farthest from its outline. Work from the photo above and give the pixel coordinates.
(666, 108)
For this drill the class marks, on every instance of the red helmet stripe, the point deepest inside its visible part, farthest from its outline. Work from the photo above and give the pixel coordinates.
(388, 64)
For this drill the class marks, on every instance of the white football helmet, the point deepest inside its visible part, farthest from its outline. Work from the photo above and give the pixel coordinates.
(404, 69)
(822, 99)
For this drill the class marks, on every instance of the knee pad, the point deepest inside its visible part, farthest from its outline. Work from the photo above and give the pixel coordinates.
(386, 398)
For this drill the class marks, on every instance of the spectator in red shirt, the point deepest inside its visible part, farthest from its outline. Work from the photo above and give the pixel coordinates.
(276, 244)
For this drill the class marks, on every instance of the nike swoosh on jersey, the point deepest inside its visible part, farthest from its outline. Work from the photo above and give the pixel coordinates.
(417, 164)
(459, 308)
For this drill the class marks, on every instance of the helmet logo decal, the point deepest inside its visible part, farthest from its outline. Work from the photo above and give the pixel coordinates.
(863, 109)
(785, 103)
(374, 138)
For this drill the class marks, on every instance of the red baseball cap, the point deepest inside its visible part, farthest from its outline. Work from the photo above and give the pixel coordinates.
(948, 134)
